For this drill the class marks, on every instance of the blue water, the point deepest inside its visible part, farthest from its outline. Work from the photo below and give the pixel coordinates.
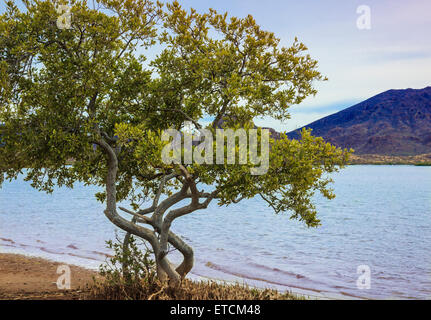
(380, 218)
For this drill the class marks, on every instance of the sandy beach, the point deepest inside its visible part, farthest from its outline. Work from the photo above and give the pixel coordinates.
(23, 277)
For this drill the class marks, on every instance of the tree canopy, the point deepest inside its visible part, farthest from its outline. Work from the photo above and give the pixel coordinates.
(84, 104)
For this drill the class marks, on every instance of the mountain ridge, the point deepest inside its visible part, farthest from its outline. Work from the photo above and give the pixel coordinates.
(393, 123)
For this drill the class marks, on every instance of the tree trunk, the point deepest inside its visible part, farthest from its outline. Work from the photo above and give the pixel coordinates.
(165, 270)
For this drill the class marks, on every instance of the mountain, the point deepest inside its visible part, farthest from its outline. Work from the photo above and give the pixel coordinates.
(393, 123)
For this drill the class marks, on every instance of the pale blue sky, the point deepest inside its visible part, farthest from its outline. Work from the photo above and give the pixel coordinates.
(394, 54)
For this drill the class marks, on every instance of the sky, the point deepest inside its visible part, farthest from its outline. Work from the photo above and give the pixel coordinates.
(393, 53)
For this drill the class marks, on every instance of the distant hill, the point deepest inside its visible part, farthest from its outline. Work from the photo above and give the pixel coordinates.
(393, 123)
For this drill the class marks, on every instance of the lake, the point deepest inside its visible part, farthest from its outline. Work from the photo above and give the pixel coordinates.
(381, 218)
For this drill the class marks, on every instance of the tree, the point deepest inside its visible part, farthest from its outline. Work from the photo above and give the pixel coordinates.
(81, 104)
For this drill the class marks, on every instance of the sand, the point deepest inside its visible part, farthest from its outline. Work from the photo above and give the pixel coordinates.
(23, 277)
(29, 278)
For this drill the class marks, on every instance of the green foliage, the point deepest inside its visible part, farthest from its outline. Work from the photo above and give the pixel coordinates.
(231, 67)
(297, 169)
(58, 85)
(62, 91)
(129, 273)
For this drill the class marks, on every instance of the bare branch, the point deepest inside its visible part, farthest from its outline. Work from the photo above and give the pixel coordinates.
(107, 137)
(238, 200)
(269, 202)
(165, 179)
(137, 215)
(197, 124)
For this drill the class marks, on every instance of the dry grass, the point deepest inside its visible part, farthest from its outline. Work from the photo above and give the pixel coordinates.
(130, 274)
(189, 290)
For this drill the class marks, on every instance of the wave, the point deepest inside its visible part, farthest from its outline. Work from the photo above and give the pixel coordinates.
(83, 254)
(288, 285)
(228, 270)
(276, 270)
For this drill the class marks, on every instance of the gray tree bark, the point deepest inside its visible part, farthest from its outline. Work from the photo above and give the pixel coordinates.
(160, 235)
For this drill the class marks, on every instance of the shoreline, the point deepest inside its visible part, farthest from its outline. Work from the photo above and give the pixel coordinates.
(250, 281)
(26, 277)
(375, 159)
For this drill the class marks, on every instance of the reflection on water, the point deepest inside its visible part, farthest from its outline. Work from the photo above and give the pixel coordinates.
(380, 218)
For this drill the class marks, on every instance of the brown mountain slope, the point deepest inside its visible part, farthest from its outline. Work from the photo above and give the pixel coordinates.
(395, 122)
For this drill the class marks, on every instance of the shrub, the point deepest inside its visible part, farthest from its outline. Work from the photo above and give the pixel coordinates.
(131, 274)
